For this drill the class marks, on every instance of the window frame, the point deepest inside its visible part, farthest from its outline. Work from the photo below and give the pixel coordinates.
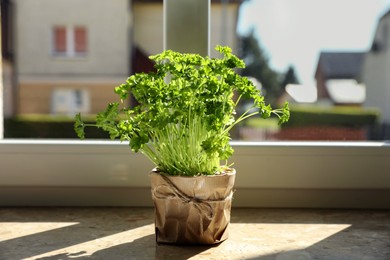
(70, 41)
(270, 174)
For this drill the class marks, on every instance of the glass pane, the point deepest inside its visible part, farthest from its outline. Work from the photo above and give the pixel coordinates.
(327, 58)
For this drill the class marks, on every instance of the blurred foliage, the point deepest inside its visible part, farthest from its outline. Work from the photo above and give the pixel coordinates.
(46, 126)
(349, 116)
(290, 77)
(257, 66)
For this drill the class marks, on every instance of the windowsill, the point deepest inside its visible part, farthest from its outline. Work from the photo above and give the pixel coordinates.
(298, 174)
(123, 233)
(372, 144)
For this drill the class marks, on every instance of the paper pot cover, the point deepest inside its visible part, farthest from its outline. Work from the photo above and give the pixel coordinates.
(192, 210)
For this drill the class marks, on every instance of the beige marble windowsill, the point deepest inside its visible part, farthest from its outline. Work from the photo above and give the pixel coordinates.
(128, 233)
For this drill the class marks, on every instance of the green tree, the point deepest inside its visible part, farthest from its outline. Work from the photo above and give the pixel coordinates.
(290, 77)
(257, 66)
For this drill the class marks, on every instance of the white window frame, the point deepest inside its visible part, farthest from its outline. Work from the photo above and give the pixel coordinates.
(269, 174)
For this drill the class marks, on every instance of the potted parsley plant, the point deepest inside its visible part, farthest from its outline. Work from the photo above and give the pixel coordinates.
(181, 123)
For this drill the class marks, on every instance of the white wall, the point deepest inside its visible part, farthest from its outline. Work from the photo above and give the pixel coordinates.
(107, 25)
(376, 74)
(148, 27)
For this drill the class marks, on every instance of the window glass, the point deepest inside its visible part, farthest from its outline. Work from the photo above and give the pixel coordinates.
(327, 58)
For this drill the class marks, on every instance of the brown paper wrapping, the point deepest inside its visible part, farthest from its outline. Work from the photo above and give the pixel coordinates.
(192, 210)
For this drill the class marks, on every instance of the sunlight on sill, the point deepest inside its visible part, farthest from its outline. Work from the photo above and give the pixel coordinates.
(268, 239)
(246, 239)
(91, 247)
(128, 233)
(14, 230)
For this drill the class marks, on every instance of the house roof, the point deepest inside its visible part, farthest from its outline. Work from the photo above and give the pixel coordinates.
(341, 65)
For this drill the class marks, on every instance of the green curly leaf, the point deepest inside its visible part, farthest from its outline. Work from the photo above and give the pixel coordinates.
(79, 126)
(107, 120)
(184, 111)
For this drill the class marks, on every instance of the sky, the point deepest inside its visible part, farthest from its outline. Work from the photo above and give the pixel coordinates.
(294, 32)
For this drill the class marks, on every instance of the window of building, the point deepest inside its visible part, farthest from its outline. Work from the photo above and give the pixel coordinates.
(68, 101)
(69, 41)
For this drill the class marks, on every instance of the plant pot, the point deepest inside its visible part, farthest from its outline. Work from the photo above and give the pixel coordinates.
(192, 210)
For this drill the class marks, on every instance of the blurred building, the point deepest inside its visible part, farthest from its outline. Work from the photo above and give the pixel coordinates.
(376, 72)
(7, 53)
(338, 77)
(66, 56)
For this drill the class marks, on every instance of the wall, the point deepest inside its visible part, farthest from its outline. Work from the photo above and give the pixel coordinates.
(375, 73)
(37, 97)
(148, 26)
(108, 40)
(375, 77)
(105, 65)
